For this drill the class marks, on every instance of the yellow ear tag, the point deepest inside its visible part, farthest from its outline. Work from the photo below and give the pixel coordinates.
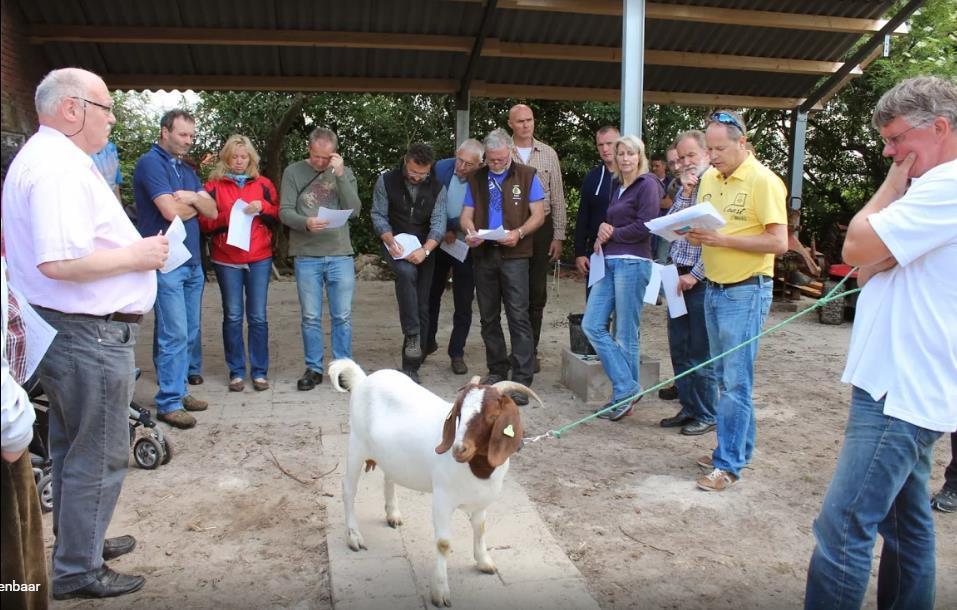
(509, 431)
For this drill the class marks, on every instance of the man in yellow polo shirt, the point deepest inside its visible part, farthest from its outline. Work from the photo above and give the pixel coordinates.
(738, 266)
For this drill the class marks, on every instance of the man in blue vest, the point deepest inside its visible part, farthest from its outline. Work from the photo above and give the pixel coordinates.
(454, 174)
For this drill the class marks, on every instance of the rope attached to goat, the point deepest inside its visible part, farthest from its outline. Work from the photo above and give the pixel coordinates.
(830, 296)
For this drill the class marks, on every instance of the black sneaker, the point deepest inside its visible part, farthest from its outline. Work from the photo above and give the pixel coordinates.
(520, 398)
(413, 375)
(309, 380)
(669, 393)
(411, 348)
(945, 500)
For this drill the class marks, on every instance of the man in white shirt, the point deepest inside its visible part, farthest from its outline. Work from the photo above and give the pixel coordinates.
(902, 361)
(76, 257)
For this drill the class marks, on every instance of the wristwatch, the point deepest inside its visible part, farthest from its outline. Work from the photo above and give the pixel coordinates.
(521, 233)
(427, 251)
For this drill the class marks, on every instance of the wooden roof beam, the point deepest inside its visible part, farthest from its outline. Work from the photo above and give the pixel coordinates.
(706, 14)
(154, 82)
(39, 34)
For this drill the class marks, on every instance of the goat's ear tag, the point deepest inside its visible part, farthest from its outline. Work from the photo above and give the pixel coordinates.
(509, 431)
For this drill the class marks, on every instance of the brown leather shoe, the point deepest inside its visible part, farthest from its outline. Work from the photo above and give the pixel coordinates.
(717, 480)
(458, 366)
(260, 384)
(178, 419)
(236, 384)
(190, 403)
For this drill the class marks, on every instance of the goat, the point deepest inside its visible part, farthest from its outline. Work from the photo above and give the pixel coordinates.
(407, 430)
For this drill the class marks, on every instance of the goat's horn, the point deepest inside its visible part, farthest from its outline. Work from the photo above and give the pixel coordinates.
(513, 386)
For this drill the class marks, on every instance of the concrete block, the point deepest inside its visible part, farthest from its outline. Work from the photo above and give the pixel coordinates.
(371, 577)
(586, 378)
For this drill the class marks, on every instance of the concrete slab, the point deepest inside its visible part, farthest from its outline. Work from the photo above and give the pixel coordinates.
(586, 378)
(533, 570)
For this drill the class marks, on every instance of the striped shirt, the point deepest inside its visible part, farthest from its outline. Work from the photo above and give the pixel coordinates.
(545, 160)
(683, 253)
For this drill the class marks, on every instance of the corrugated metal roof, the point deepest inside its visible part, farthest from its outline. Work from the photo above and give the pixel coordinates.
(446, 18)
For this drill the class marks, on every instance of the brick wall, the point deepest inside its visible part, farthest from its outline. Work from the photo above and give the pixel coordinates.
(23, 67)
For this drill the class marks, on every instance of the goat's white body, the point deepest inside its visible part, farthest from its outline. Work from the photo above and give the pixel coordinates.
(398, 424)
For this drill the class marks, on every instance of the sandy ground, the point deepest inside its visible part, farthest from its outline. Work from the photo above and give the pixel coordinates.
(223, 526)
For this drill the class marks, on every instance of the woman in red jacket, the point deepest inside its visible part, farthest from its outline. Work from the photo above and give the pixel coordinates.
(235, 179)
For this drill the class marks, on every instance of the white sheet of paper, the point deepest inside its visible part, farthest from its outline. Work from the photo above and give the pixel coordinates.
(491, 234)
(596, 267)
(410, 243)
(336, 218)
(676, 301)
(240, 226)
(178, 252)
(39, 334)
(674, 226)
(458, 249)
(654, 285)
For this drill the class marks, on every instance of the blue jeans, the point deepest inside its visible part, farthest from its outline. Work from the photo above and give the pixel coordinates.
(733, 316)
(176, 349)
(620, 291)
(338, 275)
(879, 487)
(88, 376)
(253, 284)
(688, 343)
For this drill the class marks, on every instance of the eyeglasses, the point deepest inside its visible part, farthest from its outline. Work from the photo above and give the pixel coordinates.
(464, 163)
(414, 174)
(726, 119)
(109, 108)
(895, 140)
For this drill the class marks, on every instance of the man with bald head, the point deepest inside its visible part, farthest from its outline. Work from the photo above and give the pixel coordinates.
(77, 258)
(547, 241)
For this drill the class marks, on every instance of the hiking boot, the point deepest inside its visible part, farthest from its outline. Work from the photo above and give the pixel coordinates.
(458, 365)
(260, 384)
(718, 480)
(669, 393)
(411, 349)
(945, 500)
(191, 403)
(236, 384)
(413, 374)
(178, 419)
(492, 379)
(309, 380)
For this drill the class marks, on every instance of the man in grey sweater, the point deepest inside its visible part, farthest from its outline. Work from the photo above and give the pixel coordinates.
(324, 256)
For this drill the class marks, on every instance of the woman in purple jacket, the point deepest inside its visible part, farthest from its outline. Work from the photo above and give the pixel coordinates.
(626, 242)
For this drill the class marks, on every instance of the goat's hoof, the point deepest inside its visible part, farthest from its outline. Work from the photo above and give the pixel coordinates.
(394, 521)
(488, 567)
(355, 541)
(442, 598)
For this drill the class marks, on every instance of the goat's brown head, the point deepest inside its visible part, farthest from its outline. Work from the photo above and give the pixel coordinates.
(484, 424)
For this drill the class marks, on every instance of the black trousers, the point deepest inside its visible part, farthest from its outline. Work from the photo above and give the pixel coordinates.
(412, 286)
(463, 292)
(950, 475)
(501, 281)
(538, 269)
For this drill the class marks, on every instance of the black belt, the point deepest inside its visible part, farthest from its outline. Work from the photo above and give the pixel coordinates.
(754, 279)
(116, 316)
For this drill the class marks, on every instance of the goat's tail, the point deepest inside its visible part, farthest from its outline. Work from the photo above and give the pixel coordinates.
(345, 374)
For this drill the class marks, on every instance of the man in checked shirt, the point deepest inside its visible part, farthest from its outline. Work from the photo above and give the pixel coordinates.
(688, 334)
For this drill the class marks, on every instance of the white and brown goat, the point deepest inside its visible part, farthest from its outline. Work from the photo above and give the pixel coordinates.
(407, 431)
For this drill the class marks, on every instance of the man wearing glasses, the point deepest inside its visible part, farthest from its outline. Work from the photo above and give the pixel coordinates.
(76, 257)
(901, 362)
(454, 174)
(410, 200)
(165, 187)
(738, 263)
(504, 195)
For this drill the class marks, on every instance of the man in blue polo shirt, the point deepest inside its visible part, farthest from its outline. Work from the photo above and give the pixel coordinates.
(165, 188)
